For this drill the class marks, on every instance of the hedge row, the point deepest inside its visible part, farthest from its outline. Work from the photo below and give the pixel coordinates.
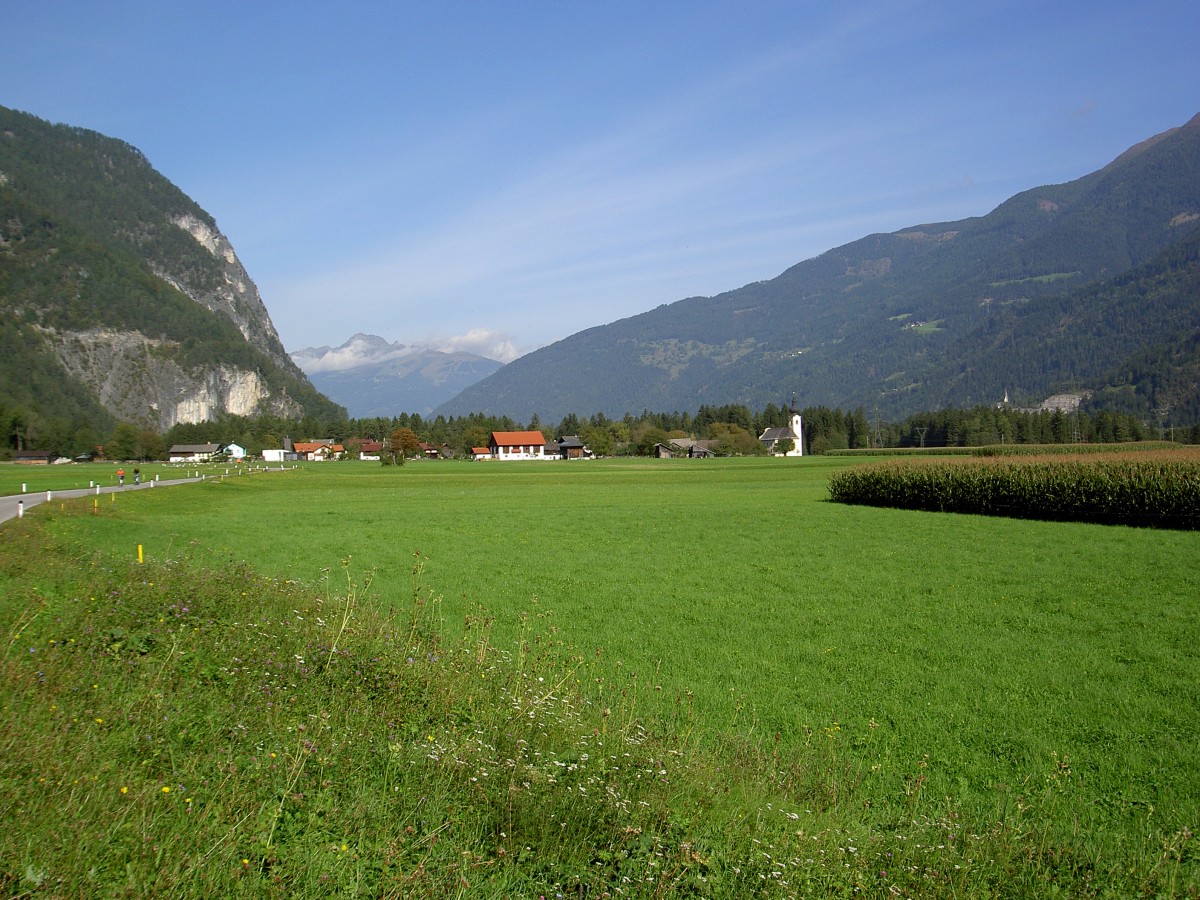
(1072, 449)
(1160, 490)
(1009, 449)
(904, 451)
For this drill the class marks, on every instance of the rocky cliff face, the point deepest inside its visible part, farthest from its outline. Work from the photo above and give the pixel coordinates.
(138, 381)
(113, 277)
(235, 296)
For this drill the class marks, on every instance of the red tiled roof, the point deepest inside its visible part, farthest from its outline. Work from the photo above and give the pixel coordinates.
(316, 446)
(517, 438)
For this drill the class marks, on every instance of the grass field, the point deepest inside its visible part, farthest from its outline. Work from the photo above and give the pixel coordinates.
(957, 668)
(19, 479)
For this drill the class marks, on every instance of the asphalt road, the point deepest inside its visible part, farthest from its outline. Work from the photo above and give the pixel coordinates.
(12, 505)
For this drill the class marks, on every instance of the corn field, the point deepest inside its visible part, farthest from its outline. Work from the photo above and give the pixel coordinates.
(1149, 489)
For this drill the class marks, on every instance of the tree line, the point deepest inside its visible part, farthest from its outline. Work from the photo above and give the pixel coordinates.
(734, 429)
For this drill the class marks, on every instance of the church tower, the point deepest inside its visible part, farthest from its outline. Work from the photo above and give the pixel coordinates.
(798, 430)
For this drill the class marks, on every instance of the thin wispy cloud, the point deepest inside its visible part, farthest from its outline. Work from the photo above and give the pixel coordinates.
(586, 218)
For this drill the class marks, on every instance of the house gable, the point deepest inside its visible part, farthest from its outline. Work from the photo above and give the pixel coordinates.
(518, 445)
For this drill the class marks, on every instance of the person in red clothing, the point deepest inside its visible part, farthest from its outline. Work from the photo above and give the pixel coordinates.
(120, 476)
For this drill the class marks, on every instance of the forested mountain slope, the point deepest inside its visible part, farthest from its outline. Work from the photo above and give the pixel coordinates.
(119, 297)
(1042, 294)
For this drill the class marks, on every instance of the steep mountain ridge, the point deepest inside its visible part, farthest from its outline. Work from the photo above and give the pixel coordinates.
(121, 285)
(882, 322)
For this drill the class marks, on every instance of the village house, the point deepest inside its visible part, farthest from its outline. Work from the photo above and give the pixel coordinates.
(192, 453)
(287, 453)
(572, 447)
(685, 448)
(34, 457)
(318, 451)
(370, 451)
(518, 445)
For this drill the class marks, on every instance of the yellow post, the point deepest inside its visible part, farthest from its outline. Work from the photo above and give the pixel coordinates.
(139, 554)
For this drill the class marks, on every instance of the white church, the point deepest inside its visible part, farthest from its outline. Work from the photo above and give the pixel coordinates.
(771, 438)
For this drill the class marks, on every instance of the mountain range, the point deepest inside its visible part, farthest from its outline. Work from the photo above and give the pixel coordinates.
(1092, 286)
(373, 377)
(120, 300)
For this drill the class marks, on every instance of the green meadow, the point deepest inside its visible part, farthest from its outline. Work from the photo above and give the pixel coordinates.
(1026, 686)
(17, 479)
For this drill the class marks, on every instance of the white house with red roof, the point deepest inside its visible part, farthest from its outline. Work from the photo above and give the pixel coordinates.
(318, 451)
(518, 445)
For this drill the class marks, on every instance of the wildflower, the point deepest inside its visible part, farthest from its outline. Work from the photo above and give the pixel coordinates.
(124, 790)
(166, 789)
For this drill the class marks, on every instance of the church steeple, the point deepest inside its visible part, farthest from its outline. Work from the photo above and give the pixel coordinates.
(797, 426)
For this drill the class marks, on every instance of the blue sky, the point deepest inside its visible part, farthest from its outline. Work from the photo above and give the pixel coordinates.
(498, 175)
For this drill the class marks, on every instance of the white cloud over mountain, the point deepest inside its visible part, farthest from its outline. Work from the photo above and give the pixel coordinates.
(481, 342)
(372, 350)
